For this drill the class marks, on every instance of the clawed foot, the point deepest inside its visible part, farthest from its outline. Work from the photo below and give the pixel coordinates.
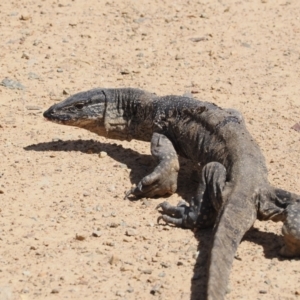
(181, 215)
(163, 179)
(160, 182)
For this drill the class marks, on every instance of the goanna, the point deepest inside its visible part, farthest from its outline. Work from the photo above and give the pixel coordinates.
(234, 189)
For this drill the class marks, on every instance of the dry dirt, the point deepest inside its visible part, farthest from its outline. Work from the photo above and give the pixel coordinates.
(65, 230)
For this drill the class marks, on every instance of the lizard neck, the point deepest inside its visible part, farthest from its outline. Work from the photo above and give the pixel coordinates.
(128, 114)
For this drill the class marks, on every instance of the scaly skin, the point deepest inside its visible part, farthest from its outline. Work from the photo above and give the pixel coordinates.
(233, 190)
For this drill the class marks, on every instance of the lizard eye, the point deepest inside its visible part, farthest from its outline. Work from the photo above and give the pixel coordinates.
(79, 106)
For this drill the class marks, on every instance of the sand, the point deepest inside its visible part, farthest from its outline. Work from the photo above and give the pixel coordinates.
(65, 230)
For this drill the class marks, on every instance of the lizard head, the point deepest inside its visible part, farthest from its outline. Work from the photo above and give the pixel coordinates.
(80, 109)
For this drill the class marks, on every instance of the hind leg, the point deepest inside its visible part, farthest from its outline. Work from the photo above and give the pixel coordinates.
(202, 211)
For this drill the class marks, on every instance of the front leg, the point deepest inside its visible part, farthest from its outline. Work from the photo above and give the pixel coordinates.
(163, 179)
(205, 206)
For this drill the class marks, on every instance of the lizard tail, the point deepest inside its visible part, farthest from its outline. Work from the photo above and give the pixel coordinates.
(236, 218)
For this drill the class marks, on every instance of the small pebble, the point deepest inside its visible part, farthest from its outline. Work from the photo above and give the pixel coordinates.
(165, 265)
(120, 294)
(102, 154)
(12, 84)
(25, 55)
(130, 290)
(25, 17)
(32, 75)
(125, 72)
(33, 107)
(96, 233)
(36, 42)
(56, 140)
(25, 290)
(131, 232)
(114, 225)
(155, 289)
(111, 188)
(114, 260)
(80, 237)
(26, 273)
(55, 291)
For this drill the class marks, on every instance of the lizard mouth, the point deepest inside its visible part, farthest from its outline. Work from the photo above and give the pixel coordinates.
(49, 115)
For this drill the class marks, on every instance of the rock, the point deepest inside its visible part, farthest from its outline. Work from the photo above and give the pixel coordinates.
(198, 39)
(54, 291)
(246, 45)
(130, 290)
(165, 265)
(109, 243)
(125, 72)
(111, 188)
(296, 127)
(12, 84)
(25, 55)
(25, 17)
(59, 70)
(97, 233)
(33, 107)
(56, 139)
(187, 94)
(126, 268)
(114, 225)
(32, 75)
(114, 259)
(6, 293)
(147, 271)
(131, 232)
(80, 237)
(120, 294)
(102, 154)
(36, 42)
(146, 202)
(178, 57)
(155, 289)
(25, 290)
(26, 273)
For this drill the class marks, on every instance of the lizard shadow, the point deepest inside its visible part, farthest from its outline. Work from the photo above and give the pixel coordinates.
(139, 164)
(270, 242)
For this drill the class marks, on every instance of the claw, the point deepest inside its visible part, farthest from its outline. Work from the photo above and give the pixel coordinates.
(159, 218)
(170, 220)
(160, 205)
(128, 193)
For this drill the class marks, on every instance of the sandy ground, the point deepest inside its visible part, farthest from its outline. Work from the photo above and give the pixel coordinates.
(65, 230)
